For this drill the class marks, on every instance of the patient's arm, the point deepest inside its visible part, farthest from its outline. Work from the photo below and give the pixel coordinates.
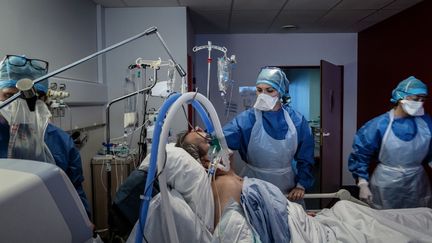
(224, 188)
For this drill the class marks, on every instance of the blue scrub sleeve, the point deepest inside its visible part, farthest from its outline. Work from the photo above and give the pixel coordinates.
(304, 154)
(366, 146)
(68, 158)
(232, 134)
(428, 157)
(4, 137)
(76, 176)
(237, 132)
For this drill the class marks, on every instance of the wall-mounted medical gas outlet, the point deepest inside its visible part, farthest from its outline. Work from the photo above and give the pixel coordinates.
(56, 95)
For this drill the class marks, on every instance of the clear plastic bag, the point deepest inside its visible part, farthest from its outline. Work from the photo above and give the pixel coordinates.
(224, 74)
(130, 116)
(27, 130)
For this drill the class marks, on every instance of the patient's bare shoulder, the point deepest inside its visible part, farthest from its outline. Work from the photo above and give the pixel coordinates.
(229, 180)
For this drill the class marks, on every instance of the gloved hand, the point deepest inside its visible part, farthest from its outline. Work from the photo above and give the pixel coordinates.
(365, 194)
(297, 193)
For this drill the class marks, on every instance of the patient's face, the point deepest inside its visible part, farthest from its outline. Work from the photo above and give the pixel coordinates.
(200, 139)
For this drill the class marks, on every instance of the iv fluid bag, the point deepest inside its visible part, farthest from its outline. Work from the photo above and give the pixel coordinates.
(130, 120)
(171, 79)
(224, 74)
(130, 108)
(130, 87)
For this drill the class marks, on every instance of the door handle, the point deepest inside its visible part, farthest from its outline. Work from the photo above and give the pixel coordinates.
(322, 135)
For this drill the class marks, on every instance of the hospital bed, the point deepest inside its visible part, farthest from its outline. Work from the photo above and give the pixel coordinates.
(347, 221)
(38, 203)
(183, 210)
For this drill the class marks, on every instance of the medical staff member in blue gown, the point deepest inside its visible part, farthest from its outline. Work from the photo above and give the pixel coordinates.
(271, 134)
(60, 144)
(400, 140)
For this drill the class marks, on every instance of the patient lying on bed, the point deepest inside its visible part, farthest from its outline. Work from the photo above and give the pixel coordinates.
(226, 185)
(271, 223)
(276, 219)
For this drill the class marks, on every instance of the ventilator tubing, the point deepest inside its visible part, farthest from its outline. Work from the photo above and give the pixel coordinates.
(160, 137)
(152, 167)
(186, 98)
(204, 117)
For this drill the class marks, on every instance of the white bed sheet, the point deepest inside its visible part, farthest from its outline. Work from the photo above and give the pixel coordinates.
(189, 227)
(352, 223)
(233, 226)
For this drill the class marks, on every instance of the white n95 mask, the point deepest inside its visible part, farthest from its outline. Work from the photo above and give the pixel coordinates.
(413, 108)
(265, 102)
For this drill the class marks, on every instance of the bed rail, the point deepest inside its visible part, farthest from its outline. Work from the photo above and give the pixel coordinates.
(342, 194)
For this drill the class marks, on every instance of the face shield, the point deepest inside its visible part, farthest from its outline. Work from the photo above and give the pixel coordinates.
(26, 127)
(26, 130)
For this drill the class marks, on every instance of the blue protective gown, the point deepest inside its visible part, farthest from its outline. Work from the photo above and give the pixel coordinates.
(238, 131)
(399, 181)
(65, 154)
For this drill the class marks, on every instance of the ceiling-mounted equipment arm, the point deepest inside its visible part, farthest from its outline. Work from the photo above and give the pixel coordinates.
(180, 70)
(149, 31)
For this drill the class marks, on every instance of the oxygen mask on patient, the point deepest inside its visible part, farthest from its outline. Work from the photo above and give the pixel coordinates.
(218, 157)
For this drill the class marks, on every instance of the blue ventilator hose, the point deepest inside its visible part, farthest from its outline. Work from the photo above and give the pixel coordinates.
(153, 156)
(204, 116)
(148, 189)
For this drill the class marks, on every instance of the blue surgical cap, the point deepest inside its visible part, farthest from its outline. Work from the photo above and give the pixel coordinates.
(276, 78)
(10, 74)
(407, 87)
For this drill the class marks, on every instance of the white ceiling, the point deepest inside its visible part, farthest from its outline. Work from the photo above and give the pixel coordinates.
(267, 16)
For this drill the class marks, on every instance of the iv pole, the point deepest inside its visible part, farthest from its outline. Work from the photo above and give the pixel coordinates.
(209, 47)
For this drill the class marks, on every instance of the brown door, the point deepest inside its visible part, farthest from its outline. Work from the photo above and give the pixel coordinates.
(331, 128)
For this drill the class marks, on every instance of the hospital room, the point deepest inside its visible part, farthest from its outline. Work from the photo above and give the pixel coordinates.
(215, 121)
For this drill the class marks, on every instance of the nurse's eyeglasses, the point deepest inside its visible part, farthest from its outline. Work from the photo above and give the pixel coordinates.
(20, 61)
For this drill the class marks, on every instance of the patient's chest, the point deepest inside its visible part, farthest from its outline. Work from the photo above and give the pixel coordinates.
(228, 186)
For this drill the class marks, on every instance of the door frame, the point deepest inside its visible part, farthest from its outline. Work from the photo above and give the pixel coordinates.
(317, 186)
(322, 180)
(328, 169)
